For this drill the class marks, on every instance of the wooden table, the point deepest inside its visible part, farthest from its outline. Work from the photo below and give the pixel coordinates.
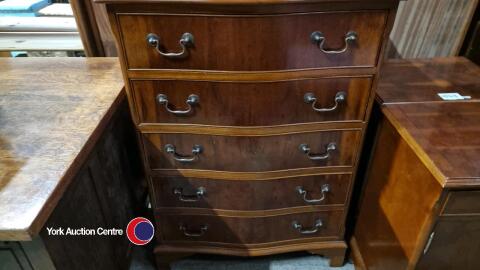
(421, 202)
(64, 126)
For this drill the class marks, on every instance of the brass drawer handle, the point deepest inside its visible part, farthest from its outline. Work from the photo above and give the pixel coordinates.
(196, 150)
(318, 224)
(306, 149)
(319, 39)
(203, 229)
(201, 192)
(303, 193)
(191, 100)
(340, 97)
(186, 41)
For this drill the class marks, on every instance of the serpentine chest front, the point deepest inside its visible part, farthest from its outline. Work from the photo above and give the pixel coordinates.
(251, 115)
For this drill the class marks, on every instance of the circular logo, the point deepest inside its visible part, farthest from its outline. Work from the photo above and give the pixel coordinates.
(140, 231)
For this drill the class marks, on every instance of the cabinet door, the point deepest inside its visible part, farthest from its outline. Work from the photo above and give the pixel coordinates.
(455, 244)
(12, 257)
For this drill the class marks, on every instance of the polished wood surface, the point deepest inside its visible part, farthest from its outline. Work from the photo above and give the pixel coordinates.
(253, 43)
(445, 136)
(252, 103)
(253, 195)
(248, 64)
(397, 205)
(47, 125)
(243, 231)
(422, 79)
(252, 154)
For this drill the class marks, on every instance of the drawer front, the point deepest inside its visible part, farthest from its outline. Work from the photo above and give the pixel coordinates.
(204, 228)
(252, 43)
(252, 104)
(463, 202)
(242, 153)
(251, 195)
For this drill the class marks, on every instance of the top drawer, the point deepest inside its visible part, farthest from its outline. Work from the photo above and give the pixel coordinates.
(252, 43)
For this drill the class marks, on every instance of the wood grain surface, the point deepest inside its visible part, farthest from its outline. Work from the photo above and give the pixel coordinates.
(422, 79)
(397, 208)
(52, 111)
(252, 154)
(252, 195)
(253, 43)
(430, 28)
(252, 103)
(254, 230)
(445, 136)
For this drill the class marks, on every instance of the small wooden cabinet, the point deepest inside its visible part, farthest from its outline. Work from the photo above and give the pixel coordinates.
(252, 116)
(421, 201)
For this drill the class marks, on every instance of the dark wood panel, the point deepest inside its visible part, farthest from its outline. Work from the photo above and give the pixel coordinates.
(397, 209)
(237, 153)
(77, 209)
(454, 245)
(254, 103)
(252, 195)
(253, 42)
(106, 193)
(462, 202)
(249, 230)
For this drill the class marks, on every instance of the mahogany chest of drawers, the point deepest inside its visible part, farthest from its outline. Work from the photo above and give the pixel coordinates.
(251, 115)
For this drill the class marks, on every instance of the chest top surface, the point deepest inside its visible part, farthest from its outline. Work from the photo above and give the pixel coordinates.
(422, 80)
(445, 136)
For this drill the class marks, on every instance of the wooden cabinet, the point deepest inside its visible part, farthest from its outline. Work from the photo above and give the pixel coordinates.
(420, 207)
(252, 115)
